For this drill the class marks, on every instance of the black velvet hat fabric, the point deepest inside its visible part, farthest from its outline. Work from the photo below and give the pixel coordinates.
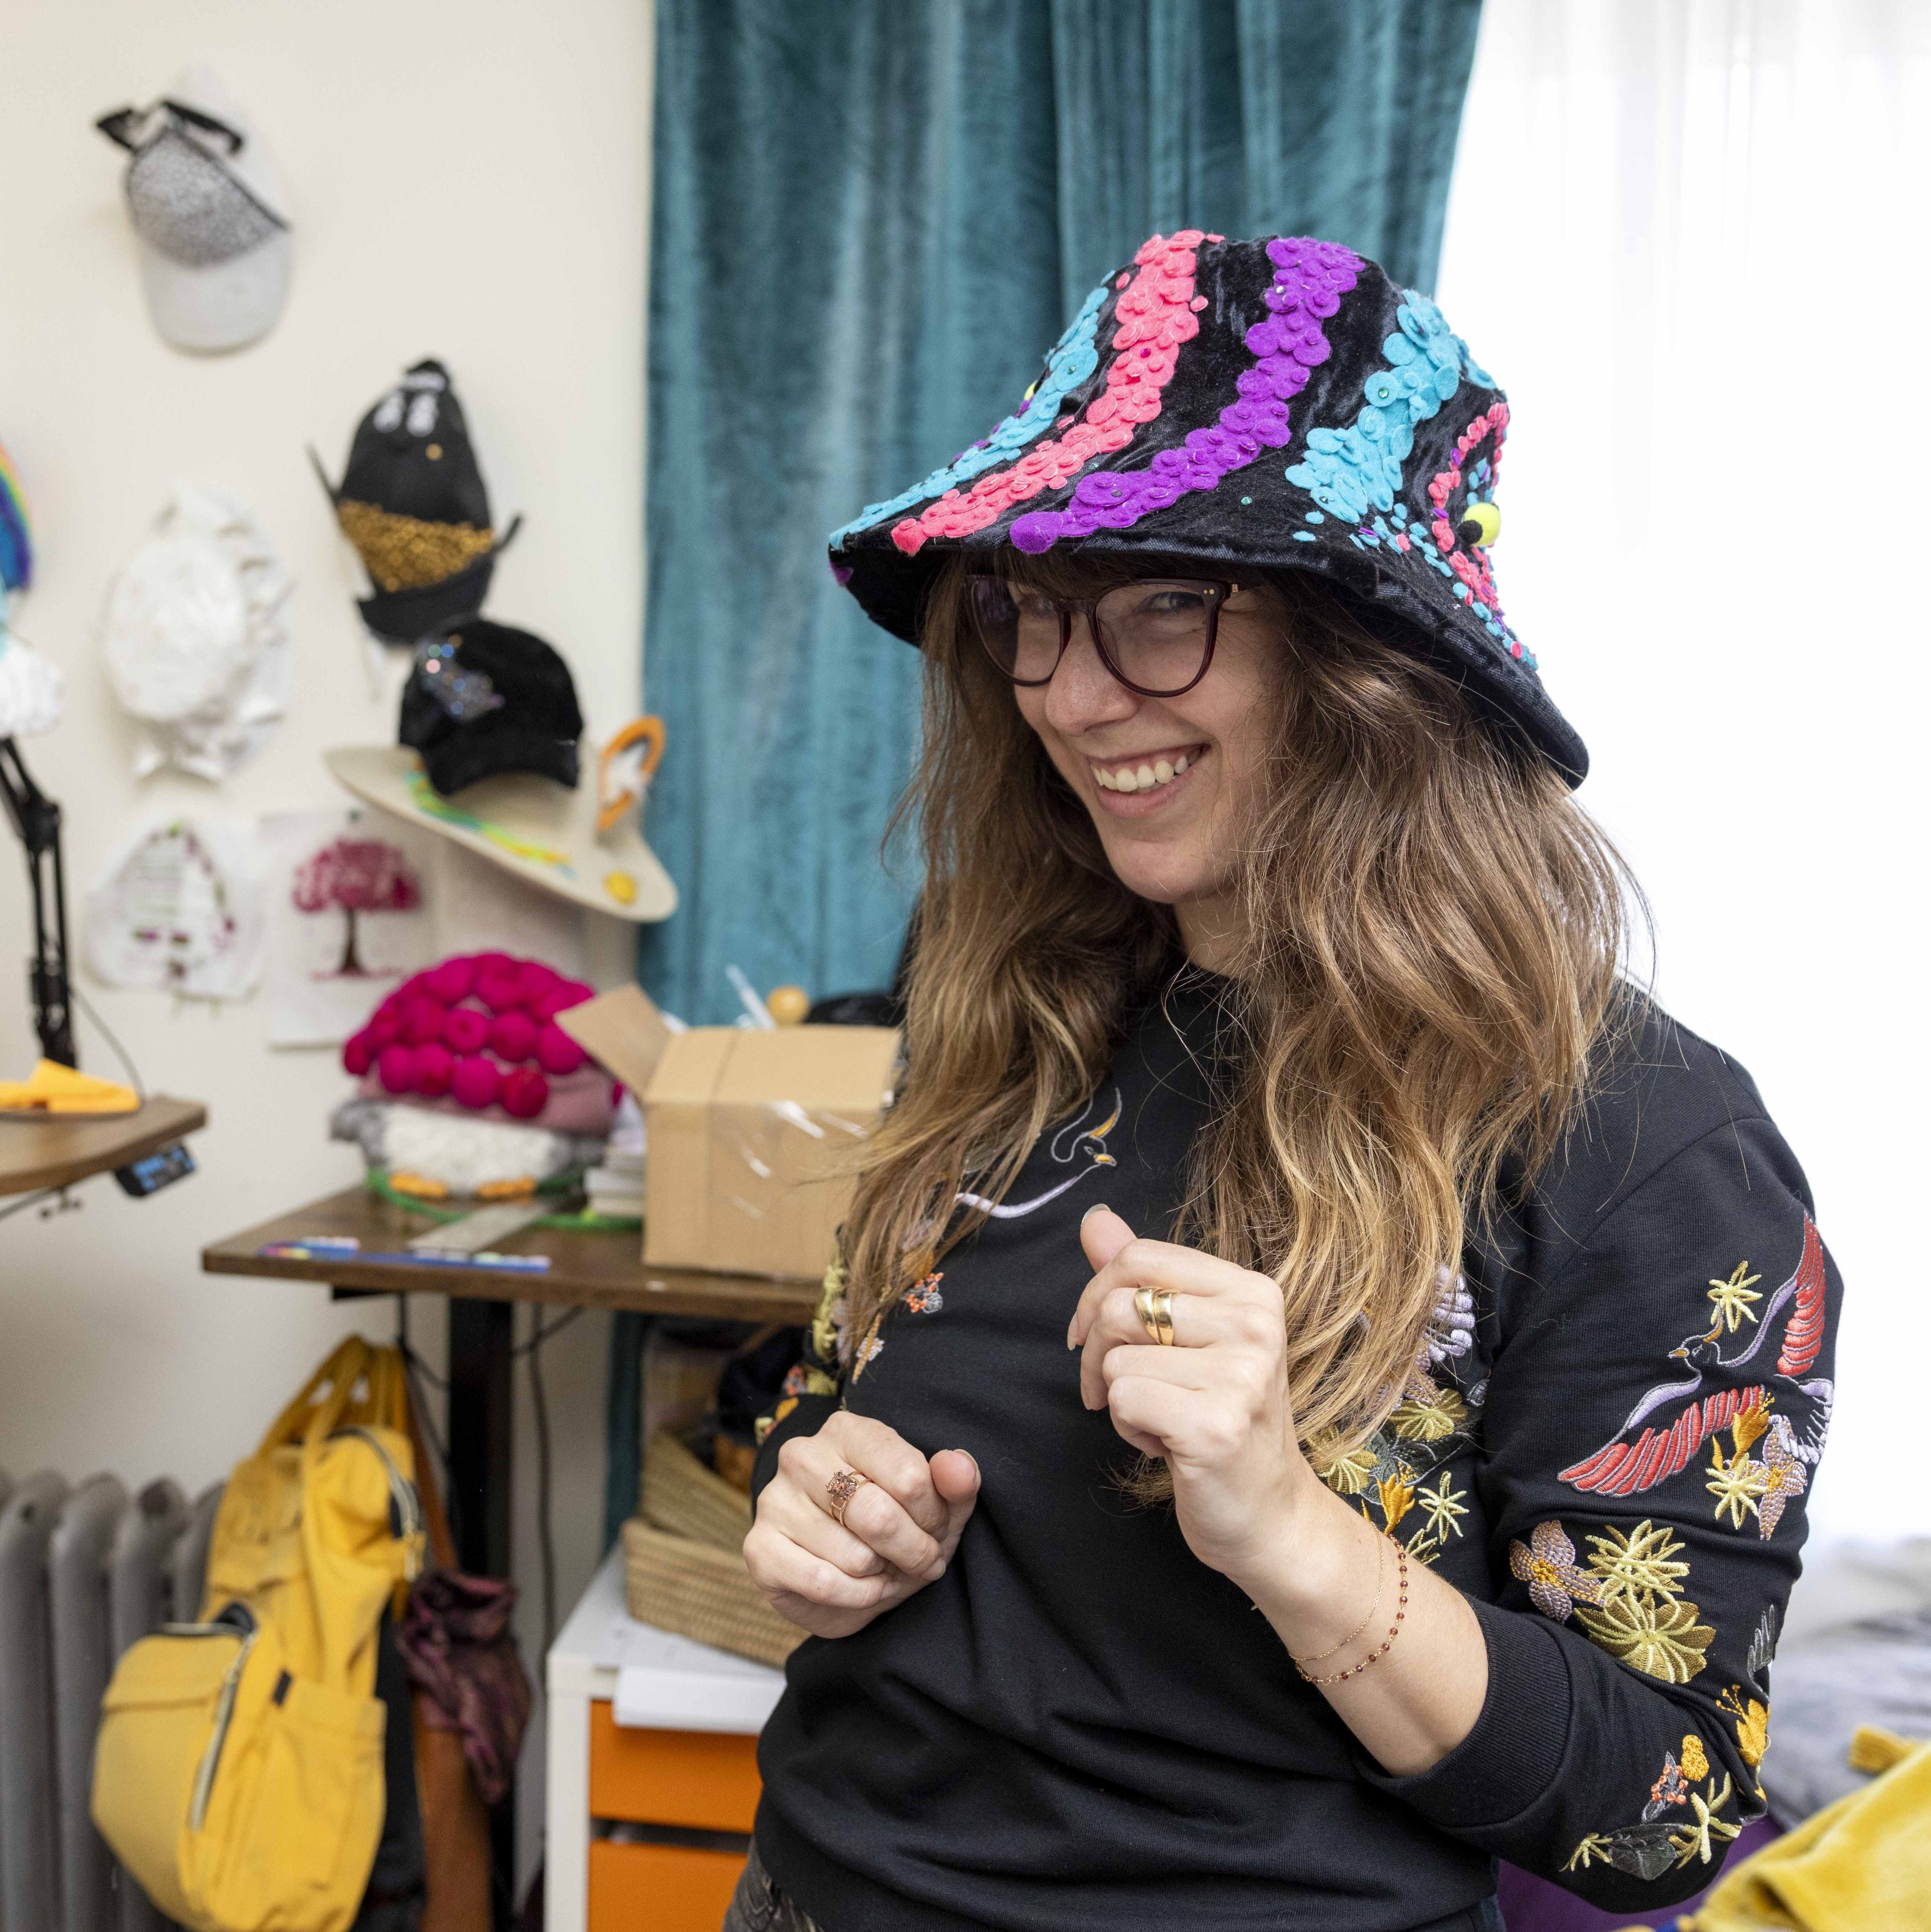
(1277, 403)
(483, 699)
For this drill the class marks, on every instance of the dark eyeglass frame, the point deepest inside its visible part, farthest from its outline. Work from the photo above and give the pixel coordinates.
(1088, 607)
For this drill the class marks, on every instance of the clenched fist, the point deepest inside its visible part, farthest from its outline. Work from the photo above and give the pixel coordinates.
(901, 1526)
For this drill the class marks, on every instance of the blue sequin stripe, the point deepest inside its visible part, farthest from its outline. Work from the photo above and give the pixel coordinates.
(1352, 472)
(1073, 359)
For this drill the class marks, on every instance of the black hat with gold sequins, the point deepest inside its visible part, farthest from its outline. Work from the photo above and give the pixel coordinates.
(412, 502)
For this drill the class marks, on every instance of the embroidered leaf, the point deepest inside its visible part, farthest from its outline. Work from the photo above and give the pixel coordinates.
(1430, 1417)
(1346, 1473)
(1643, 1851)
(1660, 1637)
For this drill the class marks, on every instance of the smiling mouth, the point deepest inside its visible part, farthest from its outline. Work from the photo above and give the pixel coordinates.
(1146, 774)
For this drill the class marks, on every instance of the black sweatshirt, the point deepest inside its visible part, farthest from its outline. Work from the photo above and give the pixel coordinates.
(1082, 1728)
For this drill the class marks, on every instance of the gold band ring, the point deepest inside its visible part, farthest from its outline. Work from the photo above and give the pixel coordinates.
(842, 1489)
(1154, 1308)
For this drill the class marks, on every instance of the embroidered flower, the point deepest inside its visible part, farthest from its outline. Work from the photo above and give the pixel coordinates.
(1636, 1563)
(1731, 1300)
(1753, 1722)
(1696, 1763)
(1441, 1507)
(923, 1297)
(1547, 1564)
(1736, 1484)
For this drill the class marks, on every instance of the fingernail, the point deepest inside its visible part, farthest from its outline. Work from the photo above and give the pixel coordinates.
(1098, 1207)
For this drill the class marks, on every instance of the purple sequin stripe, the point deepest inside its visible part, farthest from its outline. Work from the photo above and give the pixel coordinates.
(1310, 278)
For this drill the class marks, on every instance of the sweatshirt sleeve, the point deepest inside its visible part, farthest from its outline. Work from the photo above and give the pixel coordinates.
(1653, 1416)
(814, 1386)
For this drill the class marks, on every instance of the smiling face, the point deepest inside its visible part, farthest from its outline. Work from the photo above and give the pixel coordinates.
(1172, 784)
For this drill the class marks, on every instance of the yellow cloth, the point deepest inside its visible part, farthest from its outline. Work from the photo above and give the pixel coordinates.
(54, 1089)
(1862, 1864)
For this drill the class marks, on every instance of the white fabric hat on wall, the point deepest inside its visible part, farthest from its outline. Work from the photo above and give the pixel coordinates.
(210, 213)
(196, 638)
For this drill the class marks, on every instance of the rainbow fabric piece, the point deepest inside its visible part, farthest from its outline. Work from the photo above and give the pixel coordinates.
(16, 532)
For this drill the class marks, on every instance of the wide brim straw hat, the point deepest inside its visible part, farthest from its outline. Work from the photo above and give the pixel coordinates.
(542, 832)
(1278, 404)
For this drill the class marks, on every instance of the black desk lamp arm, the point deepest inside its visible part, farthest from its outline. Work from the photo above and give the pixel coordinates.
(36, 820)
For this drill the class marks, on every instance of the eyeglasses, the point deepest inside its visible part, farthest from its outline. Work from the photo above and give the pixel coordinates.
(1155, 637)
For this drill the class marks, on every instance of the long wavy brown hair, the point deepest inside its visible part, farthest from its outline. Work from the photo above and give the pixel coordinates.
(1434, 930)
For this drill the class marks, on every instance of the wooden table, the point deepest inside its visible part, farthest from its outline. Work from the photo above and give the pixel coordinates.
(586, 1271)
(43, 1151)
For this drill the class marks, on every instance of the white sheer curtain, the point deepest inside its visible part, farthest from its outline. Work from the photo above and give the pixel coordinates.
(1690, 238)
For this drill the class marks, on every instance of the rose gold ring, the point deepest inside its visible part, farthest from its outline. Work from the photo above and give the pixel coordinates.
(842, 1489)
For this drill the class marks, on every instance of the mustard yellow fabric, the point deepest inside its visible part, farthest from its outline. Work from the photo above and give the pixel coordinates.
(238, 1767)
(51, 1088)
(1862, 1864)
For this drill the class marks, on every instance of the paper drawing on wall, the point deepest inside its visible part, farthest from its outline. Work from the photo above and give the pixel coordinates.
(178, 909)
(353, 876)
(348, 903)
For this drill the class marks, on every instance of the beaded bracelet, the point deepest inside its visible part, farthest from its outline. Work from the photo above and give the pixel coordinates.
(1300, 1663)
(1394, 1629)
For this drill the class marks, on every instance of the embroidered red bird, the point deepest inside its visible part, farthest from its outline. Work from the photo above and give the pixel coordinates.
(1620, 1467)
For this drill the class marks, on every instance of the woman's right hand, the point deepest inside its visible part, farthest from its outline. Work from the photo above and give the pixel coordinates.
(900, 1530)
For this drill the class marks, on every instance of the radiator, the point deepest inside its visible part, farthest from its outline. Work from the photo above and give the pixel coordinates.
(84, 1571)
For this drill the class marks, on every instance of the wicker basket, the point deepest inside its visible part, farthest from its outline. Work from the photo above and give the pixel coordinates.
(682, 1567)
(680, 1494)
(700, 1592)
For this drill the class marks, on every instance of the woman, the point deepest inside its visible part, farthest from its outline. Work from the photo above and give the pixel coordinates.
(1321, 1378)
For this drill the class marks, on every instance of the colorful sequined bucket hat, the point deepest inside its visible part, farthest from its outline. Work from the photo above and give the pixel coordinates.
(1278, 404)
(413, 502)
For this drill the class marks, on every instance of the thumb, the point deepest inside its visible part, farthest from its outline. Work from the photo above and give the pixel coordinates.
(1103, 1234)
(956, 1477)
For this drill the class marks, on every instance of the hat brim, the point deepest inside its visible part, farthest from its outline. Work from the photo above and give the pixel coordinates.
(540, 831)
(892, 588)
(227, 304)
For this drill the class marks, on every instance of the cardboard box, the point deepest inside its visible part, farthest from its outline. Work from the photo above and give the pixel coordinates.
(749, 1131)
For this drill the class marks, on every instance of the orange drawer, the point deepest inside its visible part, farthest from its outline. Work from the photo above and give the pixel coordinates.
(659, 1888)
(693, 1778)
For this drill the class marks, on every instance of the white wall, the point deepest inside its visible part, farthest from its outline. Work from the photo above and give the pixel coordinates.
(469, 179)
(1670, 237)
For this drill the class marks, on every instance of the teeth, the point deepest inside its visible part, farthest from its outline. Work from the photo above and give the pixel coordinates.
(1142, 777)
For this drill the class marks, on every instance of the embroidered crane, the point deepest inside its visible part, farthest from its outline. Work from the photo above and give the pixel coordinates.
(1072, 1140)
(1621, 1467)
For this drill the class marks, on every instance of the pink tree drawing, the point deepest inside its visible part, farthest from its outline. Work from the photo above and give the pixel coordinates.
(353, 876)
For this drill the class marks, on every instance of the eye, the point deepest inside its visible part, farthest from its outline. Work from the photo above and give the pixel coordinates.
(1172, 600)
(1481, 524)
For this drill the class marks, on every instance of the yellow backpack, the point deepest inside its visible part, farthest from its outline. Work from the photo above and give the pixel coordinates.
(238, 1772)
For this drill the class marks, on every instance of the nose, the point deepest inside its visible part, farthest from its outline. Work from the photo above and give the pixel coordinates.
(1083, 694)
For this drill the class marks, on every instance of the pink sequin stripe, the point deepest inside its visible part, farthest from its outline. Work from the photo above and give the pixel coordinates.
(1157, 312)
(1310, 278)
(1475, 572)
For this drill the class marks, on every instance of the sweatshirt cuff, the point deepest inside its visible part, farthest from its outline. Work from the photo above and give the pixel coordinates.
(1511, 1756)
(805, 1418)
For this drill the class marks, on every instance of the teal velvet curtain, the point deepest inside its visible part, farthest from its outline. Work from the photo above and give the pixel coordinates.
(870, 219)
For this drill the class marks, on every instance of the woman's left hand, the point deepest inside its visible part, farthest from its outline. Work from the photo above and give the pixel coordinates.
(1214, 1405)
